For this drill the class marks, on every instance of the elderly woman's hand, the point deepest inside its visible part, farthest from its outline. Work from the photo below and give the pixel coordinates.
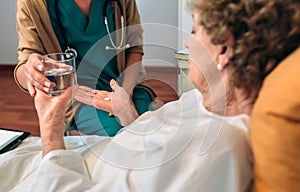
(51, 112)
(117, 102)
(98, 99)
(34, 77)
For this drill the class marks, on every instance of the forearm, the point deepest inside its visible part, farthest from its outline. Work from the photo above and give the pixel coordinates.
(51, 121)
(132, 71)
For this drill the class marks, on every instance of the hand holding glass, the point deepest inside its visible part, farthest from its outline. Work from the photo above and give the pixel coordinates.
(60, 69)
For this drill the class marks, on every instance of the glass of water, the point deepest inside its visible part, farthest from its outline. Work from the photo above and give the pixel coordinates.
(60, 68)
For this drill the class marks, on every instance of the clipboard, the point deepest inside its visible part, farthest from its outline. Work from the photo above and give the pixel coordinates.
(10, 139)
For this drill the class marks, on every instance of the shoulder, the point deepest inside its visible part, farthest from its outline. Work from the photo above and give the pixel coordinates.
(224, 152)
(232, 132)
(30, 4)
(129, 5)
(22, 3)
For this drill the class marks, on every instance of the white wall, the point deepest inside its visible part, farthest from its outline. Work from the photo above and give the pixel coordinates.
(174, 24)
(185, 22)
(8, 35)
(158, 11)
(160, 38)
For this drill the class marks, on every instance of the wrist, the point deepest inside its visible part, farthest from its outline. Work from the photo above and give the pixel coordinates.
(18, 76)
(128, 115)
(52, 130)
(48, 146)
(52, 138)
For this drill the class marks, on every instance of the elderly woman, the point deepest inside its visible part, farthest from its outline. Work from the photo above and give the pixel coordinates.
(198, 143)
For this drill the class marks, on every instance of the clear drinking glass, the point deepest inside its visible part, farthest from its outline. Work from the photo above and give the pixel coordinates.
(60, 68)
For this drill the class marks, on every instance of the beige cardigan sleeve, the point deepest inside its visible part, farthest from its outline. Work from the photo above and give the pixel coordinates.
(133, 31)
(134, 37)
(35, 32)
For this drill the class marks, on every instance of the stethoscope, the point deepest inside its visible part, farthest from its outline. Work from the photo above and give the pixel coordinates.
(113, 45)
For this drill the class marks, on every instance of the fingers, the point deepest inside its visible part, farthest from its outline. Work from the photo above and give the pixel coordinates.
(84, 95)
(61, 65)
(85, 100)
(38, 81)
(119, 94)
(59, 102)
(49, 63)
(87, 90)
(31, 88)
(35, 78)
(98, 99)
(66, 94)
(36, 61)
(51, 109)
(83, 91)
(113, 84)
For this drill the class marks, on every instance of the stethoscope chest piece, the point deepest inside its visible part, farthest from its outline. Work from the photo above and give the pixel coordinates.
(71, 51)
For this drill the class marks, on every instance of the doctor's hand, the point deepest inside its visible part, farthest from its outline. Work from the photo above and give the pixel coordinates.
(51, 113)
(35, 79)
(117, 103)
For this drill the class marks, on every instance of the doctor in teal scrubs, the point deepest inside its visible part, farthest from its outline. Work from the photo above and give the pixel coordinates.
(80, 25)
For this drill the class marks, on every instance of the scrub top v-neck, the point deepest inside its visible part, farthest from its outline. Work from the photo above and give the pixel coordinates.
(83, 33)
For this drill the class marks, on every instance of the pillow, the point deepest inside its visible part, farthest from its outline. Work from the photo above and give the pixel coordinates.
(275, 129)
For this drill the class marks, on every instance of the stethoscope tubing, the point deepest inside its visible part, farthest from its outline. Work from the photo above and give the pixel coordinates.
(114, 46)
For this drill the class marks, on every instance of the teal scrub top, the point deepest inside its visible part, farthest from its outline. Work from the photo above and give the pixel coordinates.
(95, 65)
(87, 35)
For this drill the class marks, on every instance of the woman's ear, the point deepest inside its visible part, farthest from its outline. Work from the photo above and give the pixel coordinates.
(224, 54)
